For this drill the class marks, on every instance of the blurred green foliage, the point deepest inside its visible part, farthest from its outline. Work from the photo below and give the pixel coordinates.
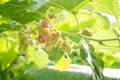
(19, 22)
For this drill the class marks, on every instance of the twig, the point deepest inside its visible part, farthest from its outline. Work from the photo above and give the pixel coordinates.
(100, 41)
(77, 21)
(90, 38)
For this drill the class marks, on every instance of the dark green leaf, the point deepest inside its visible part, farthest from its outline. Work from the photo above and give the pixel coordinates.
(76, 39)
(43, 9)
(55, 54)
(83, 53)
(36, 4)
(88, 54)
(3, 1)
(17, 11)
(5, 27)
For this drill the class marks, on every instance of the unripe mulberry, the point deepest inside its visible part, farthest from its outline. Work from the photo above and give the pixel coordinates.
(66, 46)
(52, 16)
(55, 36)
(43, 31)
(86, 32)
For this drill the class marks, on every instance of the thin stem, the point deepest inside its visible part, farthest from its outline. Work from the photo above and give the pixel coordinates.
(110, 45)
(99, 40)
(57, 5)
(77, 21)
(118, 30)
(90, 38)
(118, 24)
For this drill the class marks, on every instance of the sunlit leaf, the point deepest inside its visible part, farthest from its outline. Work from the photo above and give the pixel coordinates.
(62, 64)
(92, 20)
(8, 52)
(67, 23)
(107, 6)
(86, 20)
(3, 1)
(105, 34)
(39, 57)
(101, 22)
(65, 26)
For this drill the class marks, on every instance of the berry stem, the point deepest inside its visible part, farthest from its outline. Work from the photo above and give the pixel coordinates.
(77, 21)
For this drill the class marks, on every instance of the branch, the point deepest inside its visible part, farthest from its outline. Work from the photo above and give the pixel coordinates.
(100, 41)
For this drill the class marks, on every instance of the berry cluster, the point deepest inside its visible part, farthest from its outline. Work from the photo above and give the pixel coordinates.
(44, 31)
(52, 38)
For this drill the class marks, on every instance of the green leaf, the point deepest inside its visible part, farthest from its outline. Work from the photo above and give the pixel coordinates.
(39, 57)
(55, 54)
(6, 27)
(105, 34)
(93, 19)
(3, 1)
(108, 6)
(8, 52)
(17, 11)
(101, 22)
(27, 76)
(88, 54)
(66, 26)
(34, 5)
(81, 4)
(89, 20)
(67, 23)
(53, 10)
(70, 5)
(43, 9)
(75, 39)
(63, 63)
